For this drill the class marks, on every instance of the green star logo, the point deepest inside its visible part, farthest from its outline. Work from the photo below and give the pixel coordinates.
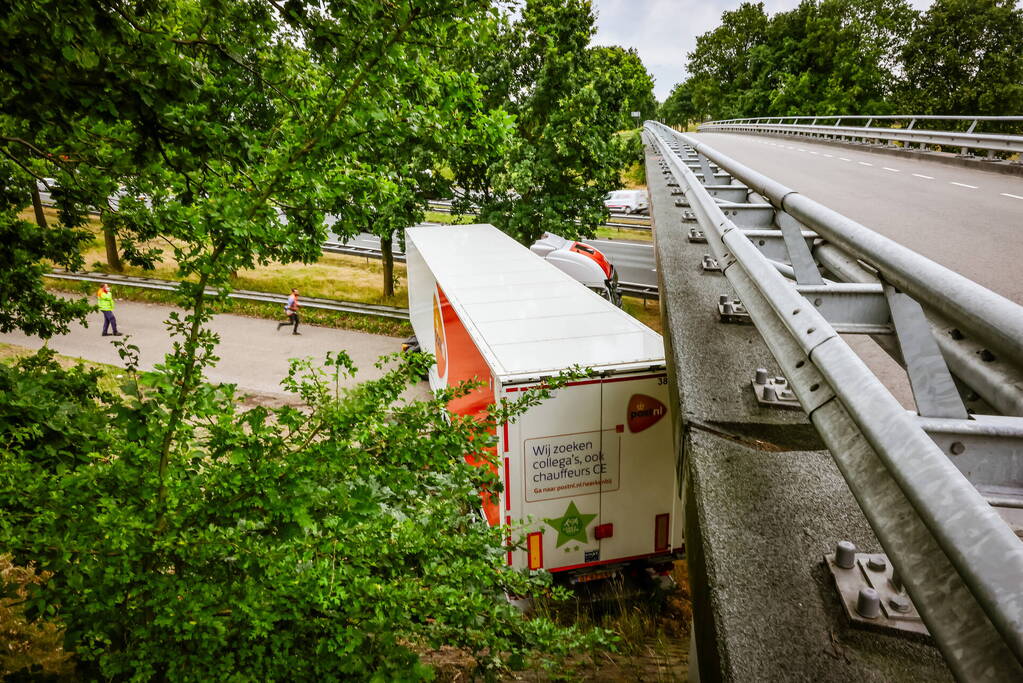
(571, 526)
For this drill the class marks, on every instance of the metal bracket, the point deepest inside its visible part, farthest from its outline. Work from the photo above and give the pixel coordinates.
(799, 254)
(871, 591)
(851, 308)
(934, 391)
(710, 263)
(695, 234)
(774, 391)
(732, 311)
(771, 243)
(987, 449)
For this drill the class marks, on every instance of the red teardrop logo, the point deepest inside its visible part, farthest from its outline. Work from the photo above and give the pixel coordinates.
(644, 412)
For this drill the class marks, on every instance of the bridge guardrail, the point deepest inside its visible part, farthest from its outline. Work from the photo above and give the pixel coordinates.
(819, 127)
(959, 560)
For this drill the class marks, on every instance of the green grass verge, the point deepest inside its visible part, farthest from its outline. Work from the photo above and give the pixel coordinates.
(625, 234)
(111, 376)
(253, 309)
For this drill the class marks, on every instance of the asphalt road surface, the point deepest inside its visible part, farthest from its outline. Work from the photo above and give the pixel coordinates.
(634, 260)
(253, 353)
(966, 219)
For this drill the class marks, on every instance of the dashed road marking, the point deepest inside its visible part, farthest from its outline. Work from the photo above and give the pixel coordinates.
(972, 187)
(844, 159)
(925, 177)
(893, 170)
(864, 163)
(817, 153)
(830, 156)
(1014, 196)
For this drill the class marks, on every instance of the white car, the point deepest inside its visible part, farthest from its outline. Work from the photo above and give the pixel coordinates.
(627, 201)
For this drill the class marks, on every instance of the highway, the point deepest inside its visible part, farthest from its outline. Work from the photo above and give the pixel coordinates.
(634, 260)
(966, 219)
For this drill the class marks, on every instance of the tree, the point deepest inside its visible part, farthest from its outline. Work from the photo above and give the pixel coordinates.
(678, 109)
(563, 156)
(963, 57)
(722, 67)
(338, 541)
(623, 83)
(202, 539)
(823, 57)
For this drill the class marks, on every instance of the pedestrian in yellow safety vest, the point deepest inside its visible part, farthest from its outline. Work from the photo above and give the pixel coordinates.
(106, 304)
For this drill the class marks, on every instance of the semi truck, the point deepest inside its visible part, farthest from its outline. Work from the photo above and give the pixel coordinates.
(589, 475)
(582, 262)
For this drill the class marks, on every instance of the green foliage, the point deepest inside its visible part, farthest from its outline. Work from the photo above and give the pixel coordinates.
(552, 172)
(333, 542)
(51, 417)
(964, 57)
(623, 82)
(679, 109)
(189, 538)
(23, 246)
(823, 57)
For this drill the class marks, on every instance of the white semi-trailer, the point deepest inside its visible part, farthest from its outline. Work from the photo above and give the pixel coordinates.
(591, 472)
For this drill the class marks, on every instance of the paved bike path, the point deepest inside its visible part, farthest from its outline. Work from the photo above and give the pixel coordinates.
(253, 353)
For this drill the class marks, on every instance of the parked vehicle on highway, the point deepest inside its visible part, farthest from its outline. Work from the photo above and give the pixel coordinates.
(589, 476)
(582, 262)
(627, 201)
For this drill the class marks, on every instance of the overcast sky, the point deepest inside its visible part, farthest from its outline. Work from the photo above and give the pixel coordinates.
(664, 31)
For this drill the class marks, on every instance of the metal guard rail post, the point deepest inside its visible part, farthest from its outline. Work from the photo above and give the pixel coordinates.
(809, 126)
(960, 561)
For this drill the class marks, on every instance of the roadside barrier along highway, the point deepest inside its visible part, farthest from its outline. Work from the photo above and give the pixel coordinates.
(624, 220)
(959, 560)
(818, 127)
(170, 285)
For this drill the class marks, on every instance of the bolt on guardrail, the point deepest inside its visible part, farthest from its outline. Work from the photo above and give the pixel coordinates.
(960, 561)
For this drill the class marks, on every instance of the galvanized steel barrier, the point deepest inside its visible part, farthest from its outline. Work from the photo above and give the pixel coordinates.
(960, 561)
(831, 128)
(245, 295)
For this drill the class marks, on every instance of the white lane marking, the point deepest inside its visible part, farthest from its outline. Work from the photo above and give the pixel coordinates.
(893, 170)
(800, 149)
(844, 159)
(864, 163)
(653, 270)
(925, 177)
(972, 187)
(830, 156)
(1014, 196)
(817, 153)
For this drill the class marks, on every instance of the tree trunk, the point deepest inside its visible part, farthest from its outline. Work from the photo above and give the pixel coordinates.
(37, 204)
(113, 258)
(386, 244)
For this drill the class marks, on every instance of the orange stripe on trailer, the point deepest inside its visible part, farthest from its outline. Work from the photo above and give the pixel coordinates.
(464, 362)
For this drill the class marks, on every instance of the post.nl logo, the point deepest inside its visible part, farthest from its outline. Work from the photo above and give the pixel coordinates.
(644, 412)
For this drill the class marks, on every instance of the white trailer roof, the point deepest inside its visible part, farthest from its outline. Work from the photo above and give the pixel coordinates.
(527, 317)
